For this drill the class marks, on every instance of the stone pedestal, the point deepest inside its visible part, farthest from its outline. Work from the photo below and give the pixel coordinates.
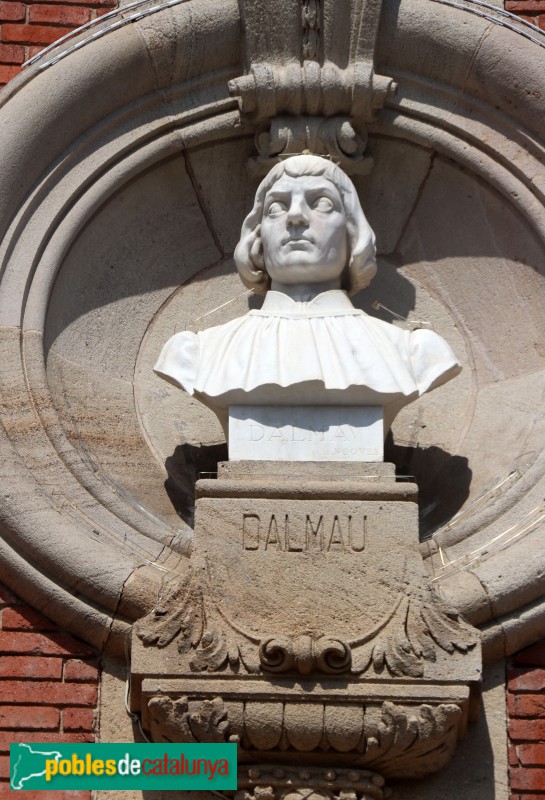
(306, 629)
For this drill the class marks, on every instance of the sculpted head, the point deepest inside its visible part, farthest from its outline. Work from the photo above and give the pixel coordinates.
(306, 226)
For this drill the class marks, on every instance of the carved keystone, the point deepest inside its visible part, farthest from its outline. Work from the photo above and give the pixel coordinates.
(314, 71)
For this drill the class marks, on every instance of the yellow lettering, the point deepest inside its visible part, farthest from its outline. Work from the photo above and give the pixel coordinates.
(78, 765)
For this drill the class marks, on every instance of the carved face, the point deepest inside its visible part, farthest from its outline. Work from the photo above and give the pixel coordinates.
(303, 231)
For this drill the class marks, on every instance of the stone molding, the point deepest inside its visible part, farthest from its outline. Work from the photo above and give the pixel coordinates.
(323, 89)
(396, 740)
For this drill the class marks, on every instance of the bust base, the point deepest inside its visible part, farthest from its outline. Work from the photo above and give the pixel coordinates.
(306, 433)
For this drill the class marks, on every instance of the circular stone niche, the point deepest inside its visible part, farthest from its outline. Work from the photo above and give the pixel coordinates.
(156, 259)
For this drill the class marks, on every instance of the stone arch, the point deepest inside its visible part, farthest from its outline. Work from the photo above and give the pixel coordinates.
(92, 133)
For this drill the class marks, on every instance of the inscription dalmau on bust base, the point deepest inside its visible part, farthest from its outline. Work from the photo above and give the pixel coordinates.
(304, 532)
(317, 567)
(306, 433)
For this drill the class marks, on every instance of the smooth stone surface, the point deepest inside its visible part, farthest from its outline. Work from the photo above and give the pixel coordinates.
(306, 469)
(305, 433)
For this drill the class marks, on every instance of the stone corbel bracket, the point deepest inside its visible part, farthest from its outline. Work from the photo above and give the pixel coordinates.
(269, 90)
(343, 728)
(321, 91)
(332, 136)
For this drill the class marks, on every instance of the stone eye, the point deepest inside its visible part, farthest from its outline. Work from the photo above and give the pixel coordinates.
(276, 208)
(323, 203)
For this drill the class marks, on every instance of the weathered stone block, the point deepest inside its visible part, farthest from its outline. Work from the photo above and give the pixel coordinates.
(306, 630)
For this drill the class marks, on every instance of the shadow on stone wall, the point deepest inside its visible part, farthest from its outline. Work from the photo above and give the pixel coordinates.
(443, 480)
(184, 467)
(478, 769)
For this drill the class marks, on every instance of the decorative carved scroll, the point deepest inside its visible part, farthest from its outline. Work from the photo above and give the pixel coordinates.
(409, 636)
(333, 136)
(304, 654)
(173, 721)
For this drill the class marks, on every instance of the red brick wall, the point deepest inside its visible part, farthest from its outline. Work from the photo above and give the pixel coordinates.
(531, 10)
(526, 708)
(48, 687)
(26, 28)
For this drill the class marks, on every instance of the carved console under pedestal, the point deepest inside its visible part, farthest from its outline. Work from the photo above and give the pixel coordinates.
(306, 630)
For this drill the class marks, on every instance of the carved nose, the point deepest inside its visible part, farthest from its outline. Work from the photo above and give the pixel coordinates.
(297, 213)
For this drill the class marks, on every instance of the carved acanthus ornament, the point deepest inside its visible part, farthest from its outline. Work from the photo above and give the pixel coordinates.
(411, 637)
(396, 740)
(321, 90)
(407, 638)
(173, 721)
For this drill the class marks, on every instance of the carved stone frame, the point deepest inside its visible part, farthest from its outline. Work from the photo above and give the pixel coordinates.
(70, 141)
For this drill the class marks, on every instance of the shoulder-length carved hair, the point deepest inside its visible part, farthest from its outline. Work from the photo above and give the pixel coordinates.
(361, 267)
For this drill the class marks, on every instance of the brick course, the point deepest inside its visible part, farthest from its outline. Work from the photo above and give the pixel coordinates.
(48, 687)
(528, 10)
(26, 28)
(11, 11)
(59, 15)
(526, 712)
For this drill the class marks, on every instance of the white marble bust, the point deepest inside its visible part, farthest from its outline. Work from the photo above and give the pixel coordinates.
(307, 245)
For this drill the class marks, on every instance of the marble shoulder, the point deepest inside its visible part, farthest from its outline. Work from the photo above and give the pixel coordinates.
(432, 359)
(178, 360)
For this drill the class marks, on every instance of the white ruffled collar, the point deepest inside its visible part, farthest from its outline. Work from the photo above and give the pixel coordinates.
(331, 303)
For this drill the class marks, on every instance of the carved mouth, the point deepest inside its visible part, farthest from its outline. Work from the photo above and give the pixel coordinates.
(297, 240)
(291, 237)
